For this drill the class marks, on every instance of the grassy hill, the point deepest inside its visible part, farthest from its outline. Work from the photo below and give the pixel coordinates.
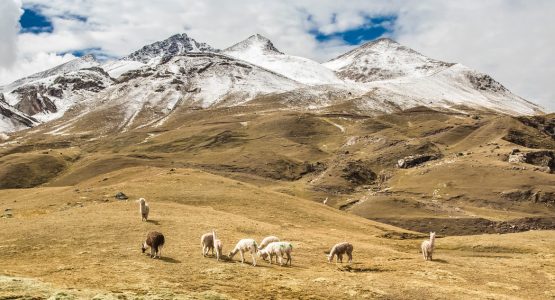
(259, 170)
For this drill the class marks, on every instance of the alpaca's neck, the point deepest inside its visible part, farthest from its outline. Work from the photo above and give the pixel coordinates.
(432, 240)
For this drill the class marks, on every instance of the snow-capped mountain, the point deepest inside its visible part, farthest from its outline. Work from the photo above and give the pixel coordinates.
(47, 95)
(86, 61)
(383, 59)
(175, 45)
(147, 86)
(411, 79)
(153, 54)
(13, 120)
(261, 51)
(147, 96)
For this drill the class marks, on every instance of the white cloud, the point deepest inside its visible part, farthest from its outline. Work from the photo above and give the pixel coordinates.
(10, 11)
(511, 40)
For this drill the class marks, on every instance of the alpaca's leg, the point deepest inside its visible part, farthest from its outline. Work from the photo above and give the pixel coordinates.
(152, 252)
(242, 257)
(253, 258)
(350, 254)
(340, 258)
(288, 258)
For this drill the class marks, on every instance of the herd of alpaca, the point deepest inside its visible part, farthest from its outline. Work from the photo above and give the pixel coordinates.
(269, 247)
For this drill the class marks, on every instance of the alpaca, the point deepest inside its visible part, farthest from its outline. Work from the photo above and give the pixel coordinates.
(428, 246)
(243, 246)
(267, 240)
(217, 245)
(207, 243)
(155, 240)
(143, 209)
(277, 249)
(339, 250)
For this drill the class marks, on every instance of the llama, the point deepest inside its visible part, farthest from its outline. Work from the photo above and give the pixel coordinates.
(243, 246)
(267, 240)
(155, 240)
(217, 244)
(428, 246)
(339, 250)
(207, 243)
(143, 209)
(277, 249)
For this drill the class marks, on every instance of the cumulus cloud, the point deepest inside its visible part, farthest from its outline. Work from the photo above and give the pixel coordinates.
(511, 40)
(10, 11)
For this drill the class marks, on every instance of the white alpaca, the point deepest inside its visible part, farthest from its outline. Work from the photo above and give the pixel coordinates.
(207, 243)
(339, 250)
(267, 240)
(245, 245)
(428, 246)
(143, 209)
(277, 249)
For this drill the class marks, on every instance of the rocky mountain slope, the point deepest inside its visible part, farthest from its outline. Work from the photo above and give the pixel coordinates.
(378, 77)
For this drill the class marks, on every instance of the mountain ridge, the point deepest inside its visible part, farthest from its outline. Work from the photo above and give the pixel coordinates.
(377, 72)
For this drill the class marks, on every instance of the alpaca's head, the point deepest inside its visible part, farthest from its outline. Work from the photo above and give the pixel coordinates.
(143, 247)
(142, 201)
(432, 235)
(263, 254)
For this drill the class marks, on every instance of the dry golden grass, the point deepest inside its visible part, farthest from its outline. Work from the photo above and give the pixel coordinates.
(71, 241)
(246, 171)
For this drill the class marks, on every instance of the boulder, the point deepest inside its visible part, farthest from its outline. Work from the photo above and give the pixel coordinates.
(121, 196)
(415, 160)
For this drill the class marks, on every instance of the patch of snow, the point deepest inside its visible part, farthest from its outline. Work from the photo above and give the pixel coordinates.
(118, 67)
(259, 51)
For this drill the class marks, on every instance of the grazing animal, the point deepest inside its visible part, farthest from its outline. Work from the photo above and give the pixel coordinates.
(143, 209)
(325, 201)
(207, 243)
(339, 250)
(428, 246)
(277, 249)
(267, 240)
(245, 245)
(155, 240)
(217, 244)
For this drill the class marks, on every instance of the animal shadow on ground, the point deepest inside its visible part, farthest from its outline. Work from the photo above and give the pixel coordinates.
(442, 261)
(170, 260)
(352, 269)
(153, 222)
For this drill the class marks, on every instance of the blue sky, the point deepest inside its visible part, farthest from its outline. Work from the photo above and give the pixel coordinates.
(373, 28)
(34, 22)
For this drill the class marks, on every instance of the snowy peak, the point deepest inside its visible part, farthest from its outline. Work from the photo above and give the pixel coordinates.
(87, 61)
(384, 59)
(260, 51)
(177, 44)
(255, 43)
